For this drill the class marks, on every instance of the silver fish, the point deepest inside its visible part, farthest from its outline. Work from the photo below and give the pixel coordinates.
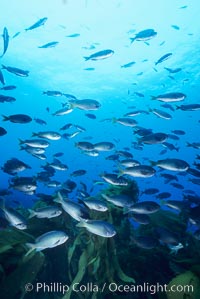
(154, 138)
(75, 210)
(119, 200)
(48, 240)
(86, 104)
(141, 171)
(51, 135)
(13, 217)
(38, 143)
(46, 212)
(144, 207)
(172, 164)
(98, 227)
(103, 146)
(170, 97)
(161, 113)
(95, 204)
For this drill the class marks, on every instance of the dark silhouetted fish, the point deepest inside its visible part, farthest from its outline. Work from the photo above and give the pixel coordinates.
(66, 127)
(16, 71)
(90, 115)
(163, 58)
(178, 132)
(169, 177)
(141, 218)
(163, 195)
(13, 166)
(175, 27)
(40, 121)
(173, 71)
(37, 24)
(128, 64)
(150, 191)
(144, 35)
(18, 118)
(145, 242)
(178, 186)
(194, 172)
(173, 137)
(2, 131)
(139, 94)
(6, 99)
(189, 107)
(59, 154)
(89, 69)
(100, 55)
(5, 41)
(73, 35)
(49, 45)
(167, 236)
(16, 34)
(53, 93)
(9, 87)
(79, 172)
(2, 78)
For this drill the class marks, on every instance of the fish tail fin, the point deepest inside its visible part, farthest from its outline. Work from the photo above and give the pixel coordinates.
(126, 210)
(59, 198)
(150, 109)
(5, 118)
(121, 172)
(3, 66)
(2, 203)
(82, 223)
(139, 140)
(114, 120)
(32, 249)
(153, 163)
(86, 58)
(71, 105)
(177, 107)
(177, 149)
(188, 144)
(32, 213)
(104, 196)
(153, 98)
(34, 134)
(20, 141)
(22, 148)
(132, 39)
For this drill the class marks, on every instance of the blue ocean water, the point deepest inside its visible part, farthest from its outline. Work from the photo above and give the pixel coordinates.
(82, 28)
